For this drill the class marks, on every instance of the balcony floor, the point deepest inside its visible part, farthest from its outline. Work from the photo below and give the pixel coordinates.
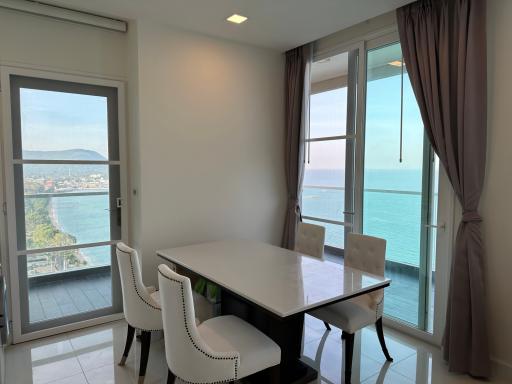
(69, 296)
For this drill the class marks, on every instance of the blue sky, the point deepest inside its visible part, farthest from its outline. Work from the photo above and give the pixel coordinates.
(382, 141)
(57, 120)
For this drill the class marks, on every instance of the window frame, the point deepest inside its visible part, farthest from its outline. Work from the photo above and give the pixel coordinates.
(353, 86)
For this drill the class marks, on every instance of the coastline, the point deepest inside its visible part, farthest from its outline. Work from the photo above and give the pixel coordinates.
(54, 218)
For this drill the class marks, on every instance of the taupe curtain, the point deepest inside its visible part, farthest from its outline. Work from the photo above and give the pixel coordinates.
(297, 83)
(444, 49)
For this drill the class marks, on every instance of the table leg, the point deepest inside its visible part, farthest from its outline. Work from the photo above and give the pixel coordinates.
(286, 332)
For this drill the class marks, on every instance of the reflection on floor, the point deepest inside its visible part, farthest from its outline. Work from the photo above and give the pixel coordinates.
(69, 295)
(90, 356)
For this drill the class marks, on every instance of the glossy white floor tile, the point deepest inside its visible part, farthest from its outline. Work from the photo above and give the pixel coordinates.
(90, 356)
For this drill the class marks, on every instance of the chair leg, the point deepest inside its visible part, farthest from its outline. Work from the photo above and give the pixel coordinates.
(144, 354)
(327, 326)
(275, 374)
(349, 353)
(380, 334)
(170, 377)
(128, 345)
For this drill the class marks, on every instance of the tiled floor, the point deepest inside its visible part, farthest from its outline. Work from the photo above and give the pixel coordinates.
(90, 356)
(69, 296)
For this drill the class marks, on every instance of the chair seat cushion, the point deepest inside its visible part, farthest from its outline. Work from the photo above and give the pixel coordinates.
(155, 296)
(150, 289)
(350, 315)
(230, 333)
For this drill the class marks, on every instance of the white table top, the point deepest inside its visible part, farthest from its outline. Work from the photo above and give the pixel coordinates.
(282, 281)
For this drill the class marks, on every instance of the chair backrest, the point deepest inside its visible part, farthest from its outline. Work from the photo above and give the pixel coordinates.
(188, 356)
(140, 310)
(366, 253)
(310, 240)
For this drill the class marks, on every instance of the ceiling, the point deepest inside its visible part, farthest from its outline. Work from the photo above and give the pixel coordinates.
(276, 24)
(378, 64)
(329, 68)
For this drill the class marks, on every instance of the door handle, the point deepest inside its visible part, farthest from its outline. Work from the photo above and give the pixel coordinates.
(438, 226)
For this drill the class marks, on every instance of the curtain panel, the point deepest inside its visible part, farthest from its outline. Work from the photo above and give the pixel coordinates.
(444, 48)
(297, 84)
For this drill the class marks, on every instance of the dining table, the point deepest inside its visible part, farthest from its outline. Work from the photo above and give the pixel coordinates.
(273, 288)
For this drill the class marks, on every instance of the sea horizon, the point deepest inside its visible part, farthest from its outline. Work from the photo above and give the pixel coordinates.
(393, 216)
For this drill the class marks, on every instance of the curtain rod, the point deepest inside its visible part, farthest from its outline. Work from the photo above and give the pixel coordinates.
(67, 14)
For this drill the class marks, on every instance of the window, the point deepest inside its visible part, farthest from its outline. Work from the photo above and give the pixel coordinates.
(369, 168)
(327, 194)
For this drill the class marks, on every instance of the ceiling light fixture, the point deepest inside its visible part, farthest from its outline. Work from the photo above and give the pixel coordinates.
(237, 19)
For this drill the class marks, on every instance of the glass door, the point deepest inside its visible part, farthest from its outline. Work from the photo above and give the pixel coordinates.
(328, 186)
(400, 187)
(65, 202)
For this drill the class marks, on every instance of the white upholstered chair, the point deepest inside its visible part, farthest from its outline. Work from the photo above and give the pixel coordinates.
(141, 305)
(368, 254)
(221, 349)
(310, 239)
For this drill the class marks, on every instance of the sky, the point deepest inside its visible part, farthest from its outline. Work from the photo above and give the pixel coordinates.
(57, 120)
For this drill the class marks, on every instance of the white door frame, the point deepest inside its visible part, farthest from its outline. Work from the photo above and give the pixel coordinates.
(12, 259)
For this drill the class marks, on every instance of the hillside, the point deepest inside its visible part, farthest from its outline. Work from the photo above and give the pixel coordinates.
(68, 154)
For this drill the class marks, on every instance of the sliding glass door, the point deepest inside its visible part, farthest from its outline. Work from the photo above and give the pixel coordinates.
(369, 168)
(65, 205)
(400, 186)
(328, 187)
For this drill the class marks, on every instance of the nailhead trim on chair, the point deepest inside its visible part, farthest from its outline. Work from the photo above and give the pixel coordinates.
(134, 284)
(194, 343)
(377, 308)
(144, 329)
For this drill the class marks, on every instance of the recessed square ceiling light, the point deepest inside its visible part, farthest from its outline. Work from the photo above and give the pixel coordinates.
(396, 63)
(237, 19)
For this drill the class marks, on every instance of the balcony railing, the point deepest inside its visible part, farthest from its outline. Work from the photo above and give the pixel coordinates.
(391, 191)
(397, 219)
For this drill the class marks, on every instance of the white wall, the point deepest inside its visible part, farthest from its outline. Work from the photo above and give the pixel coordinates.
(496, 203)
(210, 140)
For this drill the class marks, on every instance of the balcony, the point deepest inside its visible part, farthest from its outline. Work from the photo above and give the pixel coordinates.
(54, 295)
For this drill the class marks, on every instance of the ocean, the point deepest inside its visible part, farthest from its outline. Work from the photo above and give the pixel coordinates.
(87, 219)
(391, 210)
